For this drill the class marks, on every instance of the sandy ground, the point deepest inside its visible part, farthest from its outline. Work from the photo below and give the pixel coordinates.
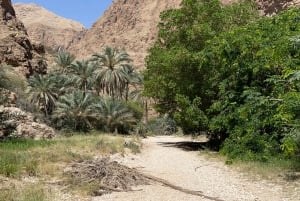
(191, 170)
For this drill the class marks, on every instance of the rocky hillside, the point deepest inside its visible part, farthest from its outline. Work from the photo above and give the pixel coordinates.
(46, 27)
(271, 7)
(129, 24)
(132, 24)
(15, 46)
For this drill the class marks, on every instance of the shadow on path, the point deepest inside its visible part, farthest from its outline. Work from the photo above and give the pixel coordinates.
(186, 145)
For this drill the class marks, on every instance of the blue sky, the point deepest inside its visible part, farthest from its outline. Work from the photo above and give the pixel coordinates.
(83, 11)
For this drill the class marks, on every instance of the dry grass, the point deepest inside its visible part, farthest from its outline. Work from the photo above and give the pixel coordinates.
(28, 192)
(46, 160)
(275, 169)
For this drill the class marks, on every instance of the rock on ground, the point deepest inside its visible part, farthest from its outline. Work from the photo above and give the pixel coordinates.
(16, 122)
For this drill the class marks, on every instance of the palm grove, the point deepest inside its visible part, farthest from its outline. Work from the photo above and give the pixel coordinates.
(89, 94)
(221, 69)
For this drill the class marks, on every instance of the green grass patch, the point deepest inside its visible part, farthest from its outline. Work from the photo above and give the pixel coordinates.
(274, 168)
(14, 163)
(16, 156)
(24, 144)
(44, 157)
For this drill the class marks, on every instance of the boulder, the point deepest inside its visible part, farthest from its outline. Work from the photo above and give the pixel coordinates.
(33, 130)
(15, 122)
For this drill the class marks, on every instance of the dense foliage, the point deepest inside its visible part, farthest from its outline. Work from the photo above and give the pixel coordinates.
(224, 70)
(255, 72)
(173, 76)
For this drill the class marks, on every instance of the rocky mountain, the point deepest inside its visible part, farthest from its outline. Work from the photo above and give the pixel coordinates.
(46, 27)
(132, 24)
(15, 47)
(129, 24)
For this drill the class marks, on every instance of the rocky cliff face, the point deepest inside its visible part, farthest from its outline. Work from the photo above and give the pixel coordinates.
(15, 47)
(132, 24)
(270, 7)
(129, 24)
(46, 27)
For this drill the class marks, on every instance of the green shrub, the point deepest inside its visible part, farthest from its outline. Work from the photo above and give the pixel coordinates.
(162, 126)
(141, 129)
(133, 146)
(111, 146)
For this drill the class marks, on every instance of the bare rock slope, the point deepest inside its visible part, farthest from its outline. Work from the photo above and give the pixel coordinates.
(271, 7)
(46, 27)
(132, 24)
(15, 47)
(129, 24)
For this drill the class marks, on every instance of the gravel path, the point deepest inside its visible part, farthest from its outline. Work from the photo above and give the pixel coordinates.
(190, 170)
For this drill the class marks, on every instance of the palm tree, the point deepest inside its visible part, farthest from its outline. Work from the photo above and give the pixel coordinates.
(61, 80)
(83, 74)
(43, 92)
(136, 94)
(75, 109)
(64, 59)
(113, 114)
(112, 76)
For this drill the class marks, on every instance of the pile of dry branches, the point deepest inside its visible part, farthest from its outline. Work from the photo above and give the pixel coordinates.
(110, 175)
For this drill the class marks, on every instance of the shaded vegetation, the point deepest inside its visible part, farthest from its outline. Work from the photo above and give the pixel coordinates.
(232, 74)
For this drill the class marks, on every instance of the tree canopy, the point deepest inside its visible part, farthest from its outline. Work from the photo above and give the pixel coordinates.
(173, 76)
(227, 71)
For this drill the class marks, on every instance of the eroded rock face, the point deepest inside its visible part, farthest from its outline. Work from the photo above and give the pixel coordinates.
(15, 47)
(46, 27)
(15, 122)
(129, 24)
(271, 7)
(132, 24)
(7, 98)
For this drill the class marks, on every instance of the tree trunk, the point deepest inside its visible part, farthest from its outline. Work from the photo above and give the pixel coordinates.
(146, 111)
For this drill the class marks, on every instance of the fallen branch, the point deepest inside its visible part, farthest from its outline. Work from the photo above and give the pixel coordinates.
(178, 188)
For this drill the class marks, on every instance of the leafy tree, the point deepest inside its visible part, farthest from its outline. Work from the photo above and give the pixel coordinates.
(173, 65)
(114, 68)
(255, 73)
(190, 115)
(75, 110)
(43, 92)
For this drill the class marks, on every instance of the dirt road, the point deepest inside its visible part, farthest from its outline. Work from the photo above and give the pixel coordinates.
(167, 157)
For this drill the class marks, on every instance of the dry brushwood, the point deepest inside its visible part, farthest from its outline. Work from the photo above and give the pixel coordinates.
(114, 177)
(110, 175)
